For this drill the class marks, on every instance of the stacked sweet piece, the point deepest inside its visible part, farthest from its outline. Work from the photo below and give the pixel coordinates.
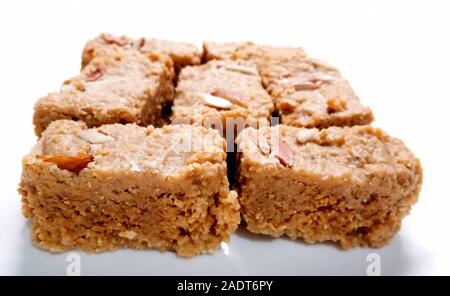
(132, 151)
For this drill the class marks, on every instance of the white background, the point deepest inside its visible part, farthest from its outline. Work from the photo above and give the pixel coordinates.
(395, 54)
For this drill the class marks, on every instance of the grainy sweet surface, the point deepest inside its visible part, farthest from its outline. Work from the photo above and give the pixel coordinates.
(306, 92)
(219, 90)
(351, 185)
(117, 84)
(182, 54)
(128, 186)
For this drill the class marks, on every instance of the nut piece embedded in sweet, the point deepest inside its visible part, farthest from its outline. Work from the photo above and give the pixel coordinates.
(141, 43)
(95, 137)
(307, 81)
(284, 154)
(233, 97)
(307, 135)
(241, 69)
(71, 163)
(216, 102)
(94, 75)
(335, 105)
(113, 39)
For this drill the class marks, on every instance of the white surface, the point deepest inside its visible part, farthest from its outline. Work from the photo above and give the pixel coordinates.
(395, 53)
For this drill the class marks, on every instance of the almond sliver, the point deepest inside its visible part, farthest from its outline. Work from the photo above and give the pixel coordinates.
(231, 96)
(216, 102)
(241, 69)
(71, 163)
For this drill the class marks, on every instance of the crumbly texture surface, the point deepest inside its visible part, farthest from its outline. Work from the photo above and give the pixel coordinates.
(117, 84)
(182, 54)
(128, 186)
(211, 93)
(307, 92)
(350, 185)
(316, 99)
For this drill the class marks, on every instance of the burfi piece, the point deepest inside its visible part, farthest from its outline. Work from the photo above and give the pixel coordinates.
(318, 99)
(118, 85)
(350, 185)
(219, 90)
(182, 54)
(128, 186)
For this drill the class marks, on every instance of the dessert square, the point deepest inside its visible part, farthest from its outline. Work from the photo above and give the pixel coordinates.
(218, 91)
(347, 185)
(117, 84)
(128, 186)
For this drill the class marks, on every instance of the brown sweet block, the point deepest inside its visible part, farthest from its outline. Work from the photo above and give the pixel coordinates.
(118, 84)
(219, 90)
(182, 54)
(350, 185)
(128, 186)
(306, 92)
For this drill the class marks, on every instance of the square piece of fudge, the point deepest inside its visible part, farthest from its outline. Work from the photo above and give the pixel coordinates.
(117, 84)
(348, 185)
(128, 186)
(218, 91)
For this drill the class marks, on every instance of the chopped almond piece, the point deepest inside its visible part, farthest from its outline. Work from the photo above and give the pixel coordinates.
(71, 163)
(283, 153)
(231, 96)
(94, 75)
(216, 102)
(242, 69)
(113, 39)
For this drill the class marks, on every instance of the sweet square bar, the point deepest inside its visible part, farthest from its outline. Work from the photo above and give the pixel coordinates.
(128, 186)
(351, 186)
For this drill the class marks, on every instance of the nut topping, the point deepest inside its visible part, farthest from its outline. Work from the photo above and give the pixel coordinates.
(71, 163)
(233, 97)
(113, 39)
(94, 75)
(241, 69)
(307, 81)
(216, 102)
(141, 43)
(95, 137)
(283, 154)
